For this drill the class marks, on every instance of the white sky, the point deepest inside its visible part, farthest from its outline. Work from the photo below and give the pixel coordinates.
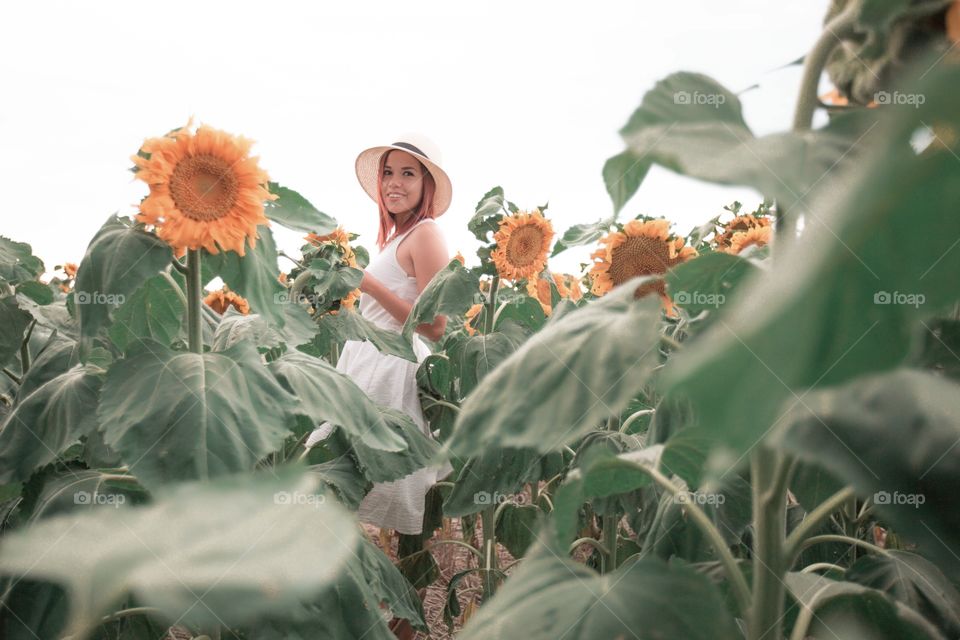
(526, 95)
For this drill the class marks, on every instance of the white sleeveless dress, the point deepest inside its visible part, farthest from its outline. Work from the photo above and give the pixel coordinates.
(389, 381)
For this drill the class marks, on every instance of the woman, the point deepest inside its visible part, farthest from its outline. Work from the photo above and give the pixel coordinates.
(411, 190)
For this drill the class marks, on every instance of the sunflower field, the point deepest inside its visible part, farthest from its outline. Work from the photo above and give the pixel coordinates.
(748, 431)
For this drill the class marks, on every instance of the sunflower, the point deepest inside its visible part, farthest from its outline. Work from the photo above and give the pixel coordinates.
(759, 236)
(349, 301)
(523, 241)
(568, 286)
(223, 299)
(739, 224)
(469, 317)
(205, 190)
(539, 290)
(338, 236)
(642, 248)
(340, 239)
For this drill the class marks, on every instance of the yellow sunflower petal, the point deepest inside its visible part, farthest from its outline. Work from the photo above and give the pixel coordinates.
(205, 190)
(223, 299)
(523, 242)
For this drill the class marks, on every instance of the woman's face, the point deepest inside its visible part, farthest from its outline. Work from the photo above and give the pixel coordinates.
(401, 182)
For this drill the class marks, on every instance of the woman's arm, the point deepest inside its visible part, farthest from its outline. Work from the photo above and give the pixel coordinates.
(429, 253)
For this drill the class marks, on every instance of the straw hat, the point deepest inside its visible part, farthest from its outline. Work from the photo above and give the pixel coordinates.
(420, 147)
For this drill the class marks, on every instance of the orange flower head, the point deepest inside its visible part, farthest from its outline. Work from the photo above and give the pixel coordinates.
(223, 299)
(759, 236)
(523, 241)
(459, 258)
(539, 290)
(206, 191)
(70, 269)
(738, 224)
(642, 248)
(469, 317)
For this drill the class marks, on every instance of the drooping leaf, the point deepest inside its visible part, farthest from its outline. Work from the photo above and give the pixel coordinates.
(449, 292)
(581, 234)
(17, 262)
(298, 329)
(350, 325)
(581, 368)
(179, 416)
(323, 393)
(253, 276)
(47, 421)
(295, 212)
(384, 466)
(14, 322)
(154, 311)
(892, 436)
(333, 281)
(498, 472)
(850, 610)
(834, 306)
(40, 293)
(622, 175)
(55, 359)
(118, 261)
(485, 220)
(707, 282)
(238, 541)
(914, 581)
(549, 597)
(517, 528)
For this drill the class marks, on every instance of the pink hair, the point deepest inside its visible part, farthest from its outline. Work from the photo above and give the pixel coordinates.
(425, 210)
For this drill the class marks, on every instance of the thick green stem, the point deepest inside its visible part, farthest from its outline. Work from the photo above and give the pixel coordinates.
(491, 306)
(768, 479)
(809, 542)
(25, 350)
(610, 525)
(593, 542)
(833, 33)
(11, 375)
(634, 417)
(741, 590)
(488, 516)
(194, 292)
(811, 522)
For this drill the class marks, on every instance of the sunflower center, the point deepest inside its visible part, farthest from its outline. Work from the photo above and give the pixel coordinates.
(638, 256)
(204, 187)
(523, 248)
